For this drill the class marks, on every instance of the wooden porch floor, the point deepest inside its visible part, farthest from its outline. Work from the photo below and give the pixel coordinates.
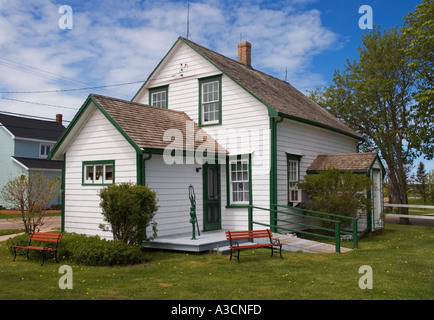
(207, 241)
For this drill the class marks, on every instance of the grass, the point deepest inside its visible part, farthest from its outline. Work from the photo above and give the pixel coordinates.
(402, 260)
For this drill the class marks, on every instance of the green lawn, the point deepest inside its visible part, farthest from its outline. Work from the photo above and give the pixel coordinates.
(402, 261)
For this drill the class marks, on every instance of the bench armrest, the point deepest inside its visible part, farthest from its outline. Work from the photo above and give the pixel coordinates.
(275, 241)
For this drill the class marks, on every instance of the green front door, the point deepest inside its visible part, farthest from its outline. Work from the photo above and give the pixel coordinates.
(211, 197)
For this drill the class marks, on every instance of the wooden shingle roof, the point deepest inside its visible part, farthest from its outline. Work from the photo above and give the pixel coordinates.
(147, 125)
(276, 94)
(356, 162)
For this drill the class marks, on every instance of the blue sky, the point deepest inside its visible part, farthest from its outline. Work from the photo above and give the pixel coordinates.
(117, 42)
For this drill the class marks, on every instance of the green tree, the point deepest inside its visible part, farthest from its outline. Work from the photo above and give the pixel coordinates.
(129, 209)
(31, 194)
(421, 181)
(331, 191)
(419, 26)
(430, 179)
(375, 96)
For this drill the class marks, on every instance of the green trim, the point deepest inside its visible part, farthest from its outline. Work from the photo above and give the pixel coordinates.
(62, 194)
(202, 81)
(273, 173)
(292, 157)
(159, 89)
(319, 125)
(116, 125)
(102, 162)
(143, 174)
(78, 116)
(228, 183)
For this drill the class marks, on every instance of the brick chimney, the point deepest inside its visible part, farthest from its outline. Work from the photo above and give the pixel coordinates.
(59, 118)
(244, 53)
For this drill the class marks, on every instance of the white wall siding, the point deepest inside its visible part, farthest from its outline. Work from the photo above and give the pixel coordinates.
(98, 140)
(171, 183)
(308, 142)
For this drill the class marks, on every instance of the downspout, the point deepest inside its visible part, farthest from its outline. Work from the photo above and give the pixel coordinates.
(148, 157)
(273, 171)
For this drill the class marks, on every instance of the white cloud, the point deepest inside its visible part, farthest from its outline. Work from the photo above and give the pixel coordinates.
(123, 41)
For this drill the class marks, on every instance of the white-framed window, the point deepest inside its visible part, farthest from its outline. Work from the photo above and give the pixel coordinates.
(293, 169)
(239, 181)
(98, 172)
(158, 97)
(44, 150)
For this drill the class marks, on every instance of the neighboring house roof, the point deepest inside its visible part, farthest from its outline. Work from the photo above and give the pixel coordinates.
(39, 164)
(281, 98)
(142, 125)
(355, 162)
(27, 128)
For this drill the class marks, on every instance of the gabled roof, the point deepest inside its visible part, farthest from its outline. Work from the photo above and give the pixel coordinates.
(354, 162)
(281, 98)
(143, 126)
(27, 128)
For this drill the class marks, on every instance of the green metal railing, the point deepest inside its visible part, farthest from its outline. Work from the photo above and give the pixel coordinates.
(336, 230)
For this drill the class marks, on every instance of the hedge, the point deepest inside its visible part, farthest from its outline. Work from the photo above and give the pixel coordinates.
(89, 250)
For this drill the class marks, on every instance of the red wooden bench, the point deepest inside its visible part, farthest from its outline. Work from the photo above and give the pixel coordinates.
(46, 237)
(233, 236)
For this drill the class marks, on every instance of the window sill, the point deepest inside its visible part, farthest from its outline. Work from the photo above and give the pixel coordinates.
(238, 205)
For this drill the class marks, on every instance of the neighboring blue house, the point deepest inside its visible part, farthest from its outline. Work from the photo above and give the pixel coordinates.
(24, 146)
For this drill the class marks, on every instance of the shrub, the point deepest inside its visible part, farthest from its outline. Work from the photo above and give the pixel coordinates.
(331, 191)
(129, 209)
(91, 251)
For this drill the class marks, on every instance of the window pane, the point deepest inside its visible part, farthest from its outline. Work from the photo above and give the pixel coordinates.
(89, 174)
(108, 173)
(210, 101)
(239, 181)
(99, 173)
(159, 99)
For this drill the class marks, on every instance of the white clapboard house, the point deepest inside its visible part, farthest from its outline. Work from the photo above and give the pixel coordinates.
(240, 137)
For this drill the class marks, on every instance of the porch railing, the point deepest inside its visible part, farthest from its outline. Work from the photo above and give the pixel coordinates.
(336, 230)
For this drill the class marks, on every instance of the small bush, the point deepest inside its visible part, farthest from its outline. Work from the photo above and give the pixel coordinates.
(91, 251)
(129, 209)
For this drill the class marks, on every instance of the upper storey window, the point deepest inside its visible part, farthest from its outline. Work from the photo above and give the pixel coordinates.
(210, 103)
(158, 97)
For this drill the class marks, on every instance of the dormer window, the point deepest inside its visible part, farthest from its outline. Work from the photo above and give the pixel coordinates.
(210, 101)
(158, 97)
(44, 150)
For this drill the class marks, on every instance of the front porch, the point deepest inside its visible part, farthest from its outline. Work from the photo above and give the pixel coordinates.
(216, 241)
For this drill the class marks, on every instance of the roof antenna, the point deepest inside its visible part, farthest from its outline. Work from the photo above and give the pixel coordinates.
(188, 19)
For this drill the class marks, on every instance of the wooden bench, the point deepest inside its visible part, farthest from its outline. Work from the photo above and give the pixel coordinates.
(46, 237)
(233, 236)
